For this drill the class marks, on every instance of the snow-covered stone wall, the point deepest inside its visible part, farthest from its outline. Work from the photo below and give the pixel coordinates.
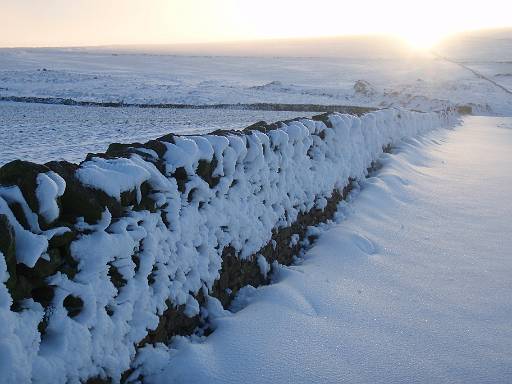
(92, 255)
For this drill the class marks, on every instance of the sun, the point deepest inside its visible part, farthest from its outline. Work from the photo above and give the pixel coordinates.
(421, 39)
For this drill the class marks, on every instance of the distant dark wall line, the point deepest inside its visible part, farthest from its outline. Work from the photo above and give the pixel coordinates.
(476, 73)
(358, 110)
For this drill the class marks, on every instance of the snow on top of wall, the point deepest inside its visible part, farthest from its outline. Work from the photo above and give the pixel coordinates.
(112, 176)
(50, 186)
(32, 243)
(19, 337)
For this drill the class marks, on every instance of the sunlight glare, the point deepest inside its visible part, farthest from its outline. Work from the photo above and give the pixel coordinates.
(96, 22)
(420, 40)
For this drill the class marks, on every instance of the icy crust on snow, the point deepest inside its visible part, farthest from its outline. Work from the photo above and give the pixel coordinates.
(264, 180)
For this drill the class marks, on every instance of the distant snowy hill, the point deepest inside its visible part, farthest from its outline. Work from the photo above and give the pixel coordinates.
(368, 47)
(489, 45)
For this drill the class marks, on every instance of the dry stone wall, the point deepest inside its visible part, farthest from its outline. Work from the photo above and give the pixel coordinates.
(100, 258)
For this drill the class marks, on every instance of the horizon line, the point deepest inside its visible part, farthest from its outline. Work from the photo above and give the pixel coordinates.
(391, 36)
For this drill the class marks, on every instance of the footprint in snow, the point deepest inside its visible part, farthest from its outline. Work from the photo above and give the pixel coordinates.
(364, 244)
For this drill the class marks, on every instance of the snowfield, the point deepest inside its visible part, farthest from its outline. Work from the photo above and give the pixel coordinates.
(327, 71)
(41, 132)
(412, 285)
(417, 81)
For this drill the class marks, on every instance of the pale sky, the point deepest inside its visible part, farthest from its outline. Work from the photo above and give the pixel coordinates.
(105, 22)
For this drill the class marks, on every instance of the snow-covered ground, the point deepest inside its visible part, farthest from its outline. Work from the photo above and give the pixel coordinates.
(489, 53)
(500, 72)
(42, 132)
(413, 285)
(348, 71)
(412, 80)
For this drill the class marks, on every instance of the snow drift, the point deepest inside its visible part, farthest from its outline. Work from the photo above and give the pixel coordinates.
(93, 255)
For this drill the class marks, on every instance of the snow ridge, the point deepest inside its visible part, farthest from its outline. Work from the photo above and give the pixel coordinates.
(259, 181)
